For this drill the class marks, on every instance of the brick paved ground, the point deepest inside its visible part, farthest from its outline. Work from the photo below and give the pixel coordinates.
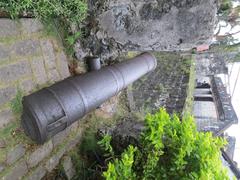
(29, 60)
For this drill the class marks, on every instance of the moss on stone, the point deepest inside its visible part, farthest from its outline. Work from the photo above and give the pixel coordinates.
(188, 107)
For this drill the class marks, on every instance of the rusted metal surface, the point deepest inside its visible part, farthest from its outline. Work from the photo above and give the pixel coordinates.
(51, 110)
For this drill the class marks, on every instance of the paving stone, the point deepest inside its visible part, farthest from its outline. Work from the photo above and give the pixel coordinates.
(6, 116)
(53, 75)
(39, 70)
(73, 127)
(59, 138)
(63, 65)
(28, 85)
(15, 154)
(26, 48)
(68, 167)
(14, 72)
(48, 54)
(30, 25)
(9, 28)
(55, 159)
(4, 52)
(39, 154)
(72, 143)
(38, 173)
(6, 94)
(2, 167)
(17, 172)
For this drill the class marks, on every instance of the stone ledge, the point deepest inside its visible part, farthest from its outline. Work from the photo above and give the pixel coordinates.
(15, 154)
(9, 28)
(39, 154)
(14, 72)
(6, 94)
(6, 116)
(37, 173)
(17, 171)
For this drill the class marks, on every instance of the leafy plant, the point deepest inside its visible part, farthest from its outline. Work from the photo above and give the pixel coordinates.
(71, 40)
(105, 144)
(169, 149)
(122, 169)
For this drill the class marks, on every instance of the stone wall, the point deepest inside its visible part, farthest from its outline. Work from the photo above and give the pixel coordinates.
(155, 24)
(166, 87)
(29, 59)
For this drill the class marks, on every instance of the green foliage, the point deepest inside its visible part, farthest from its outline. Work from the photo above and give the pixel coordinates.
(70, 41)
(170, 149)
(225, 6)
(122, 169)
(16, 103)
(105, 144)
(71, 11)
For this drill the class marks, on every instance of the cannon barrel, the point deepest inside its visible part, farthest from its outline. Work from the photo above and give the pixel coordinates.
(52, 109)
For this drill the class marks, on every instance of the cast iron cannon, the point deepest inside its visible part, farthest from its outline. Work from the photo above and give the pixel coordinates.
(52, 109)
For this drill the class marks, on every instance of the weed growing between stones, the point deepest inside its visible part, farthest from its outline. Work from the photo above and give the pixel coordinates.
(16, 103)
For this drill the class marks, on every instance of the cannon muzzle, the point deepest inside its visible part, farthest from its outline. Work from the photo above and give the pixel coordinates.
(52, 109)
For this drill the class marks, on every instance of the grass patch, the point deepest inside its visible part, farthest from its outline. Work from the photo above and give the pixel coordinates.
(16, 103)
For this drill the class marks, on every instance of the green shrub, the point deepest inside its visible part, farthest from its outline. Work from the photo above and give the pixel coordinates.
(169, 149)
(225, 6)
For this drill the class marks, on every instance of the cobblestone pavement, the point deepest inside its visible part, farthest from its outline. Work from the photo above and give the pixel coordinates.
(29, 59)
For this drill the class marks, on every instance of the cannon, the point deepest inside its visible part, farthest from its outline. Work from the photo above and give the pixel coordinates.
(52, 109)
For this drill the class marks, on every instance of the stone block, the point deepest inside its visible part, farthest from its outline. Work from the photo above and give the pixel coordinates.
(54, 160)
(165, 25)
(63, 65)
(8, 27)
(6, 94)
(37, 173)
(4, 52)
(27, 85)
(14, 72)
(68, 167)
(17, 172)
(6, 116)
(26, 48)
(2, 167)
(59, 138)
(14, 154)
(48, 54)
(73, 127)
(39, 70)
(30, 25)
(73, 142)
(39, 154)
(53, 76)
